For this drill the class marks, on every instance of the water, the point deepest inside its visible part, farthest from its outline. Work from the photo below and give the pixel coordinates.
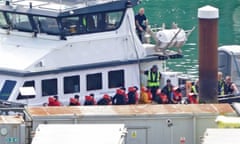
(184, 13)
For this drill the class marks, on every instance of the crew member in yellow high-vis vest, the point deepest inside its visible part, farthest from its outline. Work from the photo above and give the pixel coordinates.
(153, 82)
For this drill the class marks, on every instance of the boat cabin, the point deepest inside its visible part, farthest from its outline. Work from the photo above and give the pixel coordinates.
(68, 47)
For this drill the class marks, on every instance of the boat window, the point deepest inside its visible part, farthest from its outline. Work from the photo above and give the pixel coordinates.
(47, 25)
(49, 87)
(93, 22)
(113, 19)
(7, 89)
(94, 81)
(3, 22)
(20, 22)
(27, 84)
(116, 79)
(71, 84)
(71, 25)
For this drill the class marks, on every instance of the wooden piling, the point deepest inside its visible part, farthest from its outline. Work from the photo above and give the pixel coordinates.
(208, 58)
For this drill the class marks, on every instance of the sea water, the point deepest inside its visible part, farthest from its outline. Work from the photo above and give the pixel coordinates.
(184, 13)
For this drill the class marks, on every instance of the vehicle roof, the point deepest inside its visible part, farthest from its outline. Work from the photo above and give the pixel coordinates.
(55, 8)
(79, 133)
(11, 119)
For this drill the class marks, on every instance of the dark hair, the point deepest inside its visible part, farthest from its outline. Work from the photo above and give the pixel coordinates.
(91, 94)
(123, 88)
(76, 96)
(168, 80)
(56, 97)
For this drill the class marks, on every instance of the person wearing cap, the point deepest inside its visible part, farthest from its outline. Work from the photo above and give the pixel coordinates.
(153, 81)
(168, 90)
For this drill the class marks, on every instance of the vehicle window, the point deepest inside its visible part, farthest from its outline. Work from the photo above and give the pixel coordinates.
(94, 81)
(20, 22)
(71, 84)
(3, 22)
(113, 19)
(7, 89)
(49, 87)
(116, 79)
(27, 84)
(47, 25)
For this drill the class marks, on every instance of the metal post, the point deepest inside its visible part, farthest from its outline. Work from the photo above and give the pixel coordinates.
(208, 59)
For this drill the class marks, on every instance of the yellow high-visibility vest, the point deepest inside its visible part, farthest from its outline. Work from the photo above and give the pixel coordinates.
(153, 79)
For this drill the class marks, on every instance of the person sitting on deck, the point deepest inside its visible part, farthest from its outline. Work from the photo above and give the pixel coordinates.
(230, 87)
(120, 98)
(168, 90)
(90, 100)
(53, 101)
(192, 98)
(132, 95)
(74, 101)
(145, 96)
(105, 100)
(161, 98)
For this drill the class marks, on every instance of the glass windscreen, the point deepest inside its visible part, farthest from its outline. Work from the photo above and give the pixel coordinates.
(46, 25)
(19, 22)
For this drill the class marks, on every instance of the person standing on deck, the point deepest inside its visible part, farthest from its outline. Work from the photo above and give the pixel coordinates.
(221, 84)
(141, 24)
(230, 87)
(195, 87)
(153, 81)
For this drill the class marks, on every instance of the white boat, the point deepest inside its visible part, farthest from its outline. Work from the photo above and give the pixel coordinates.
(68, 47)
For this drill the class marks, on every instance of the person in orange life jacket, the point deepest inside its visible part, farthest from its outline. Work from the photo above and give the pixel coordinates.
(221, 84)
(145, 96)
(53, 101)
(177, 95)
(168, 90)
(195, 87)
(161, 98)
(132, 95)
(192, 98)
(90, 100)
(154, 77)
(105, 100)
(74, 101)
(120, 98)
(230, 87)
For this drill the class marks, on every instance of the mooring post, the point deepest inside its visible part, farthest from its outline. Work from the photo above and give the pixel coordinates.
(208, 59)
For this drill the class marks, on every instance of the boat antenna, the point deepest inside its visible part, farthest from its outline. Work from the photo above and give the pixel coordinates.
(60, 7)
